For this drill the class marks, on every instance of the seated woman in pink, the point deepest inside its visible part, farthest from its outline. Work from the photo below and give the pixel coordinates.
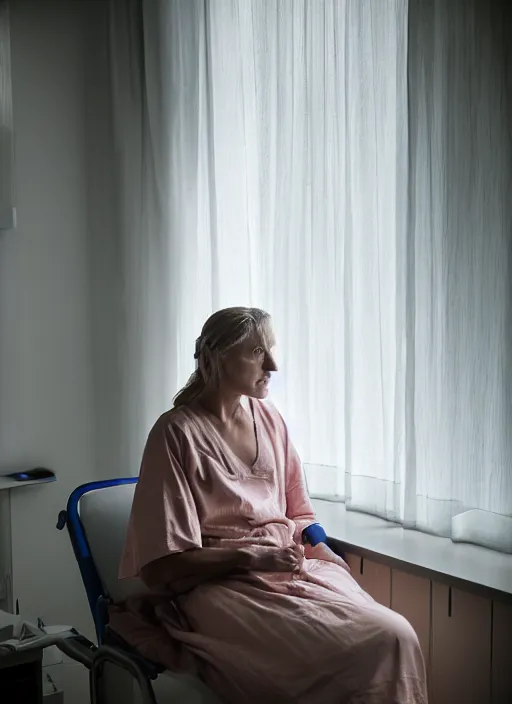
(216, 531)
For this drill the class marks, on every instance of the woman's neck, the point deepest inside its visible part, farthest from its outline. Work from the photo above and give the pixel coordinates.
(224, 406)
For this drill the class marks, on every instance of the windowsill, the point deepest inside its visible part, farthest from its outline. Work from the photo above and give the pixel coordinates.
(458, 564)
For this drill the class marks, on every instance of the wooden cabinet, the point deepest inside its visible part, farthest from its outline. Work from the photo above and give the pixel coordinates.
(466, 639)
(501, 665)
(373, 577)
(460, 665)
(410, 596)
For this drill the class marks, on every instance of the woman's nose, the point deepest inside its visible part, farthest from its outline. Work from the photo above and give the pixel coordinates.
(269, 363)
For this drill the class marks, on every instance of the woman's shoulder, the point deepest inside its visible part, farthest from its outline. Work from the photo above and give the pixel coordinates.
(175, 419)
(175, 425)
(176, 433)
(270, 414)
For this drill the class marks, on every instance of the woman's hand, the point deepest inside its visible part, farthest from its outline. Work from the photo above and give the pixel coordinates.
(322, 552)
(270, 559)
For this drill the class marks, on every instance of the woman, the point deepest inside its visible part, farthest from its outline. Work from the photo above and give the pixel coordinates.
(216, 535)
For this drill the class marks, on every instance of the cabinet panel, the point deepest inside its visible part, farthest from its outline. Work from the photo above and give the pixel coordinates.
(410, 596)
(5, 552)
(460, 665)
(501, 653)
(372, 577)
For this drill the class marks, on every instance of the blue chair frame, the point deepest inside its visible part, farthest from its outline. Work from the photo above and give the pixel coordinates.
(111, 647)
(92, 582)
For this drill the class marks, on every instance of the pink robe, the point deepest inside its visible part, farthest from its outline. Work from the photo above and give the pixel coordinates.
(313, 637)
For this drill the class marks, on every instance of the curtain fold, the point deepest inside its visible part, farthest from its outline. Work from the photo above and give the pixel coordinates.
(344, 164)
(460, 231)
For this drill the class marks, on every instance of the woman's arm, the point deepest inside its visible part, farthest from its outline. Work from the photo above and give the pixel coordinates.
(300, 510)
(186, 570)
(298, 505)
(198, 565)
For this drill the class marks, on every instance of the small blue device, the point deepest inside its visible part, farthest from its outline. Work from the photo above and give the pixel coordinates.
(33, 475)
(314, 534)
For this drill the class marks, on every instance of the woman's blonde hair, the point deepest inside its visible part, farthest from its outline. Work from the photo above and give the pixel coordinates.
(222, 331)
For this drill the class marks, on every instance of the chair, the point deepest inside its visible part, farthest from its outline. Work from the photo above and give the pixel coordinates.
(97, 516)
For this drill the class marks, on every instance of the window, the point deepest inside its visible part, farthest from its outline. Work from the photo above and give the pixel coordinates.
(342, 164)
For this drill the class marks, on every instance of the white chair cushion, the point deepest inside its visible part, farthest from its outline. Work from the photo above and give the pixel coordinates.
(104, 514)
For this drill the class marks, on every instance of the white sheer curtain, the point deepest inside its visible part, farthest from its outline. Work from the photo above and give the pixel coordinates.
(459, 298)
(304, 157)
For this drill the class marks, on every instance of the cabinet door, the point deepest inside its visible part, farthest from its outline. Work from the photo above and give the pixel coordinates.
(5, 553)
(373, 577)
(501, 653)
(410, 596)
(460, 665)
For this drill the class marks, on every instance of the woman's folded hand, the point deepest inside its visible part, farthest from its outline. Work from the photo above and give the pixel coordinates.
(272, 559)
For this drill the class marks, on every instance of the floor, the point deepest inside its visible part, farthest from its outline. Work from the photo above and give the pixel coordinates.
(72, 679)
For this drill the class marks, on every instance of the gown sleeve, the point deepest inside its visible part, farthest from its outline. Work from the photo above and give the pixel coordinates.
(300, 510)
(298, 504)
(163, 519)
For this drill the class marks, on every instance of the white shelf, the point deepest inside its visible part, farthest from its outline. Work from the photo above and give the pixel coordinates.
(8, 483)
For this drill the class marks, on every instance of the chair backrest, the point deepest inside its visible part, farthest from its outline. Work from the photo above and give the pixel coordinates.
(97, 517)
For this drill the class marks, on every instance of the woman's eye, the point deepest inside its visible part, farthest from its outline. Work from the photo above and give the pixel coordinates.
(259, 350)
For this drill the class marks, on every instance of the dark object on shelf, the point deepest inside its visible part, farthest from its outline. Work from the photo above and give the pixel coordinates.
(32, 475)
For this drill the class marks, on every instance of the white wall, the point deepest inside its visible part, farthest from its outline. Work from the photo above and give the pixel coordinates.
(46, 398)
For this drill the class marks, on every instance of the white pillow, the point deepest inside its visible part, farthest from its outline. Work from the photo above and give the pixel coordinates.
(490, 530)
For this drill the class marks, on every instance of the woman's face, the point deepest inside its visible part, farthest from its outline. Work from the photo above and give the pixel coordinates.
(246, 368)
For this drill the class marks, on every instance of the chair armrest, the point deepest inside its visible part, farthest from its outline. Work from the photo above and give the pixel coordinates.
(79, 649)
(149, 668)
(107, 654)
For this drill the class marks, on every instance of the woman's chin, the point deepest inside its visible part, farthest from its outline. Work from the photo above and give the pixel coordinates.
(260, 391)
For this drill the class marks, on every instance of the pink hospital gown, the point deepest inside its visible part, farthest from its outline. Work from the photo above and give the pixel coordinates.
(310, 637)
